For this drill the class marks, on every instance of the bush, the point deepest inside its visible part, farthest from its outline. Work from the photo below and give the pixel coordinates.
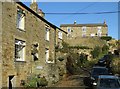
(116, 66)
(42, 81)
(107, 38)
(60, 58)
(36, 82)
(79, 47)
(32, 82)
(96, 52)
(105, 49)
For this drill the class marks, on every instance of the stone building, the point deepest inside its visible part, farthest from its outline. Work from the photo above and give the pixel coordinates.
(27, 44)
(85, 30)
(85, 35)
(78, 31)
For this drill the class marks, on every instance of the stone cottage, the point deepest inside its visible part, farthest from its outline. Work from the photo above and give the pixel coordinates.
(27, 44)
(85, 36)
(76, 32)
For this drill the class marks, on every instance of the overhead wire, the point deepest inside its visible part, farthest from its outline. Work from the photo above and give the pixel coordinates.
(72, 13)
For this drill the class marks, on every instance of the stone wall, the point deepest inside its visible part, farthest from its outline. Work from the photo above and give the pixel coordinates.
(77, 31)
(33, 33)
(0, 44)
(8, 33)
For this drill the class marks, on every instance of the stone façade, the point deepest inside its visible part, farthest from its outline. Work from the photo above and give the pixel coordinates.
(33, 33)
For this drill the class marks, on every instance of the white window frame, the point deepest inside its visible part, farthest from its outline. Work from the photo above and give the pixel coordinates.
(60, 35)
(92, 35)
(47, 55)
(99, 32)
(20, 19)
(47, 30)
(84, 28)
(69, 31)
(21, 52)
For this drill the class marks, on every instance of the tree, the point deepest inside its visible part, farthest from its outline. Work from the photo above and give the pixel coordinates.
(105, 49)
(96, 51)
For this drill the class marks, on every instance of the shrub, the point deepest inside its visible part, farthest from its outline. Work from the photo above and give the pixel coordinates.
(105, 49)
(32, 82)
(42, 81)
(60, 58)
(96, 52)
(79, 47)
(107, 38)
(116, 66)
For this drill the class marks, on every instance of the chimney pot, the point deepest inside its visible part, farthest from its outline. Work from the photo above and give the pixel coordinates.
(74, 22)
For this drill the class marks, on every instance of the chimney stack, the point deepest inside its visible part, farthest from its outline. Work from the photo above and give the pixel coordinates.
(104, 22)
(41, 13)
(34, 6)
(74, 22)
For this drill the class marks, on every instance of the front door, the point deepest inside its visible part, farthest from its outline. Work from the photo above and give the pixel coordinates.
(10, 81)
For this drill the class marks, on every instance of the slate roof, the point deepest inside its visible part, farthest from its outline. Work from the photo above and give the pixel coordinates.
(81, 25)
(38, 16)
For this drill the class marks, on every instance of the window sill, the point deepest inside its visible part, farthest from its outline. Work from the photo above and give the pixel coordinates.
(60, 38)
(20, 61)
(52, 62)
(48, 40)
(23, 30)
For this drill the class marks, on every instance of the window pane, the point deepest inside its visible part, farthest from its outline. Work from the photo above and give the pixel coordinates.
(20, 18)
(19, 50)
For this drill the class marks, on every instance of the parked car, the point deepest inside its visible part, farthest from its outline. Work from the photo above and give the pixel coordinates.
(105, 61)
(96, 71)
(108, 82)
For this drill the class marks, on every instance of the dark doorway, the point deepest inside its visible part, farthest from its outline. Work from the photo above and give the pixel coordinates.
(10, 83)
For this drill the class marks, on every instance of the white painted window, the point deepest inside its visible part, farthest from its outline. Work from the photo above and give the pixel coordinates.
(48, 58)
(19, 50)
(47, 34)
(84, 31)
(60, 35)
(99, 32)
(83, 34)
(69, 31)
(92, 35)
(20, 18)
(47, 55)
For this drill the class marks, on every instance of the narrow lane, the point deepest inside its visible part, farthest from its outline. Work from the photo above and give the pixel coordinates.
(73, 82)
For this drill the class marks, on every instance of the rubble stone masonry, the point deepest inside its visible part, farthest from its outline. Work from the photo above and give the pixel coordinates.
(33, 33)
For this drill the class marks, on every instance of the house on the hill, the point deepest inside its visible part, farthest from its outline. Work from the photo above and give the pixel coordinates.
(27, 44)
(85, 30)
(85, 35)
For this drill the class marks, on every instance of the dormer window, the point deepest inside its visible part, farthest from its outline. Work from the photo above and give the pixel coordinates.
(20, 18)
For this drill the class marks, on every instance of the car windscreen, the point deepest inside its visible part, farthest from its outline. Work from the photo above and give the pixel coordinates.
(99, 71)
(109, 83)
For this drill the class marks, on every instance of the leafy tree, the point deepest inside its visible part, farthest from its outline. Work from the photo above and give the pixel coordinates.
(96, 51)
(105, 49)
(83, 57)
